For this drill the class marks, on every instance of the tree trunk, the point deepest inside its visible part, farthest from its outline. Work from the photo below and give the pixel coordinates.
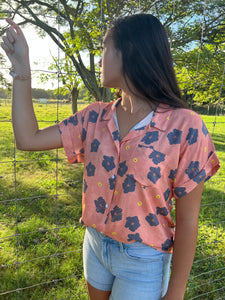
(103, 94)
(74, 94)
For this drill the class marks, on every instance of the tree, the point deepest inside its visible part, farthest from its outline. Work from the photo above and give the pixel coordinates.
(203, 84)
(69, 78)
(82, 25)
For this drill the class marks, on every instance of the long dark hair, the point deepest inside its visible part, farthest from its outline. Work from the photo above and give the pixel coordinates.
(147, 59)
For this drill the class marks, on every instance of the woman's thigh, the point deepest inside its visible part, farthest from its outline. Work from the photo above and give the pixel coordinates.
(95, 294)
(131, 271)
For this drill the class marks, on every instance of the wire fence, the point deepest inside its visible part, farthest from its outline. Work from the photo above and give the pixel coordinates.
(33, 191)
(40, 203)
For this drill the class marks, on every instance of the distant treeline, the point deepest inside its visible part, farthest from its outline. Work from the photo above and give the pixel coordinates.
(37, 94)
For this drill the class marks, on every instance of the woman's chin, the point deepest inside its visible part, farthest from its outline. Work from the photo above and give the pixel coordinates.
(108, 84)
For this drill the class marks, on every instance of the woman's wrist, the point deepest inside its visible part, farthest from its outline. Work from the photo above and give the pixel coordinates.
(20, 72)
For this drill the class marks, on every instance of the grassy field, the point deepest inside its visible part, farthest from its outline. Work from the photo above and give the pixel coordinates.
(41, 238)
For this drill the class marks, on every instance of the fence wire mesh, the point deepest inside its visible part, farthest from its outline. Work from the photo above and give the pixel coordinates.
(40, 202)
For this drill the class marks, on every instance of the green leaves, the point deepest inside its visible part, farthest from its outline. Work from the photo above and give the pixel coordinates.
(78, 26)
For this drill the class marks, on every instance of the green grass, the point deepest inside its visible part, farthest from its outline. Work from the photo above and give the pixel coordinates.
(49, 237)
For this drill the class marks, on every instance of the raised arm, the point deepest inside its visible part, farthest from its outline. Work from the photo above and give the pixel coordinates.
(27, 134)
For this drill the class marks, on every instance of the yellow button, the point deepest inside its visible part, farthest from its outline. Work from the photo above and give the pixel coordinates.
(139, 203)
(168, 117)
(205, 149)
(113, 233)
(213, 161)
(158, 196)
(94, 226)
(103, 129)
(115, 193)
(135, 159)
(99, 184)
(79, 136)
(127, 147)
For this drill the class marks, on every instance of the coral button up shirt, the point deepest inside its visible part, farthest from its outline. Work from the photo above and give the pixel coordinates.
(129, 185)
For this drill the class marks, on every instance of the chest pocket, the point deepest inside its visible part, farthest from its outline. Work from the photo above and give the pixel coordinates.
(148, 165)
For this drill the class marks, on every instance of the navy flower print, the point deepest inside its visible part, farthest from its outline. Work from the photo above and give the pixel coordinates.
(132, 223)
(134, 237)
(166, 194)
(204, 129)
(73, 120)
(116, 214)
(172, 174)
(129, 184)
(152, 220)
(90, 170)
(103, 113)
(141, 128)
(207, 178)
(122, 169)
(150, 137)
(200, 176)
(112, 182)
(94, 145)
(193, 169)
(108, 163)
(65, 122)
(154, 174)
(116, 135)
(107, 218)
(93, 116)
(161, 211)
(167, 244)
(174, 137)
(85, 186)
(83, 134)
(157, 157)
(82, 120)
(210, 154)
(180, 191)
(100, 205)
(192, 136)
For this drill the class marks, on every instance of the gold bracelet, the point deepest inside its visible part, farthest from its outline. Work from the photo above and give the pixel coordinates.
(17, 76)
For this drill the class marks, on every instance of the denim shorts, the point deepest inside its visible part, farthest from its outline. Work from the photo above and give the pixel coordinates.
(131, 271)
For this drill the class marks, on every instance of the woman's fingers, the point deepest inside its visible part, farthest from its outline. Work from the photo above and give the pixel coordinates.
(15, 44)
(7, 45)
(14, 26)
(10, 36)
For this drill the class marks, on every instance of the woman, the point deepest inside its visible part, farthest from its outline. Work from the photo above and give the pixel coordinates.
(139, 153)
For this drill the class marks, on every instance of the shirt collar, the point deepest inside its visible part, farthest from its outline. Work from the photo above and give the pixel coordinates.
(159, 120)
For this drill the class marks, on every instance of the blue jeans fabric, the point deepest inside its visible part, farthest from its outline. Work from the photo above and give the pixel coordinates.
(131, 271)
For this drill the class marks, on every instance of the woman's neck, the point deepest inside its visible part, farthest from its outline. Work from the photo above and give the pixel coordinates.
(133, 104)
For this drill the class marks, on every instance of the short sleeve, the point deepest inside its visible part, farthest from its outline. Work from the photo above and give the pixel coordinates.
(73, 135)
(198, 160)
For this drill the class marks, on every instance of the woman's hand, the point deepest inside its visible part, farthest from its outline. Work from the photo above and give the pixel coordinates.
(15, 46)
(26, 131)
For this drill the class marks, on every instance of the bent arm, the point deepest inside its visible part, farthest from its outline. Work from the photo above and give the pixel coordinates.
(187, 213)
(25, 126)
(27, 134)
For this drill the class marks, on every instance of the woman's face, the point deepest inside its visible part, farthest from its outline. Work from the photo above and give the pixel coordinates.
(111, 64)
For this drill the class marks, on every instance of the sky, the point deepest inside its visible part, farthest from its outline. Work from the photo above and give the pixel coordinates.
(41, 51)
